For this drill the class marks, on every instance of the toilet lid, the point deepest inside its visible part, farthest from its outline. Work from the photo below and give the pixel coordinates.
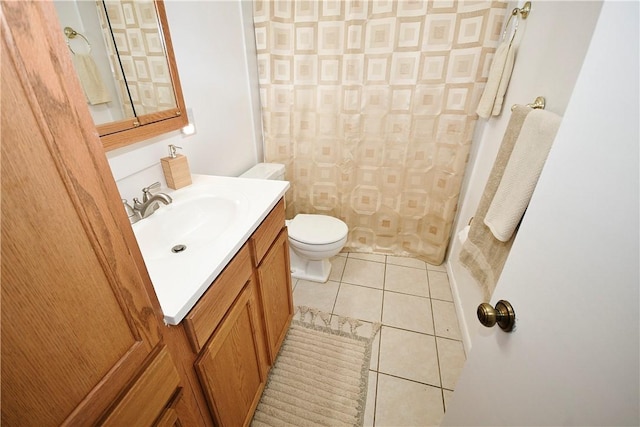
(316, 229)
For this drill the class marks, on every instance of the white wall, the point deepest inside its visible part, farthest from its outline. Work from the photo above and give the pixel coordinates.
(552, 45)
(215, 52)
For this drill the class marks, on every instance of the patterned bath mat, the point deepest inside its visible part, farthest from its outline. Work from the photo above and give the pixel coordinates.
(320, 375)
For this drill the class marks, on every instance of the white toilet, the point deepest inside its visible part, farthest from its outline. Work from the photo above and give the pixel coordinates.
(313, 239)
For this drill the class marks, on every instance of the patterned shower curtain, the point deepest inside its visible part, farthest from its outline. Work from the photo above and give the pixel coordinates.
(371, 107)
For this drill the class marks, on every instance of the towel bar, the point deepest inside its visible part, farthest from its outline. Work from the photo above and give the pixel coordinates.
(538, 104)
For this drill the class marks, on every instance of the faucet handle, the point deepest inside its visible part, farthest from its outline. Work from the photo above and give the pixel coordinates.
(132, 214)
(146, 191)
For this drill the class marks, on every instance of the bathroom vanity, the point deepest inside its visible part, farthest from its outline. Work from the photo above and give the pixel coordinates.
(226, 294)
(231, 336)
(237, 327)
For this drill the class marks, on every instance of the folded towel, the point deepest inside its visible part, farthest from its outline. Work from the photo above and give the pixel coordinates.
(481, 253)
(499, 76)
(521, 174)
(90, 79)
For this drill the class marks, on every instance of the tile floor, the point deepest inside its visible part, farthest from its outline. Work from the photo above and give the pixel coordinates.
(418, 353)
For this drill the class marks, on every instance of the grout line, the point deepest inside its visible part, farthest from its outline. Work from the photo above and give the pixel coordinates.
(363, 286)
(379, 338)
(410, 380)
(367, 260)
(335, 300)
(407, 266)
(375, 400)
(404, 293)
(433, 319)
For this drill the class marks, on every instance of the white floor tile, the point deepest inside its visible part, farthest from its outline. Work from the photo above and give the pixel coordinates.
(359, 302)
(368, 257)
(445, 320)
(316, 295)
(337, 268)
(406, 403)
(364, 273)
(439, 286)
(448, 397)
(452, 358)
(440, 267)
(407, 312)
(406, 280)
(409, 355)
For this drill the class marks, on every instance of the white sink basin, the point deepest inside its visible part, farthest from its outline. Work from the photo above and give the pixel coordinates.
(212, 218)
(188, 224)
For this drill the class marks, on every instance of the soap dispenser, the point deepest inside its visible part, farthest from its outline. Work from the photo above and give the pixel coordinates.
(176, 169)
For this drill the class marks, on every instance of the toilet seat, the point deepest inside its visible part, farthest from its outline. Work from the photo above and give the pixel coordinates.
(316, 229)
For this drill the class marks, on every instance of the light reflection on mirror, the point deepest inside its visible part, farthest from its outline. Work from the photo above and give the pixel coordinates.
(119, 56)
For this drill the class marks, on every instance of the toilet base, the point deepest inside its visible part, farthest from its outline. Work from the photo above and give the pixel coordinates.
(314, 271)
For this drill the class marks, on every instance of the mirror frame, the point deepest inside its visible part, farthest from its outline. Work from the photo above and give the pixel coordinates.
(129, 131)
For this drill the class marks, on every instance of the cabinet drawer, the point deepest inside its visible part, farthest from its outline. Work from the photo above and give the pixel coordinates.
(149, 395)
(204, 318)
(264, 236)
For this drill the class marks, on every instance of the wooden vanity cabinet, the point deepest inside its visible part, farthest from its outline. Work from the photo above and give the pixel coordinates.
(225, 331)
(238, 325)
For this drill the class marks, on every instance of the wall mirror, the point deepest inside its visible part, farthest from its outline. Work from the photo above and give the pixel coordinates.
(123, 56)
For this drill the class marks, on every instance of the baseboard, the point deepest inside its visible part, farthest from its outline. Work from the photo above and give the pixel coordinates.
(462, 321)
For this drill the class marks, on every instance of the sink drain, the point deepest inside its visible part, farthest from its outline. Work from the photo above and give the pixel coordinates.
(178, 248)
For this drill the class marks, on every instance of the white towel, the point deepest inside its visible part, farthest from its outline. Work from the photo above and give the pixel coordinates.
(90, 79)
(504, 81)
(522, 172)
(499, 76)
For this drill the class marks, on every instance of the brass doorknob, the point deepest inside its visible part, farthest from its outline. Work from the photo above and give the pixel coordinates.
(503, 315)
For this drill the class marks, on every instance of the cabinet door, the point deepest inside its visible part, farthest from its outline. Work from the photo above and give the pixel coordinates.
(274, 279)
(77, 323)
(230, 366)
(150, 397)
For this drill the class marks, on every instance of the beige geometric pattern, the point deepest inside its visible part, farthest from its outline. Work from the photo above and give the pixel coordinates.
(133, 26)
(371, 107)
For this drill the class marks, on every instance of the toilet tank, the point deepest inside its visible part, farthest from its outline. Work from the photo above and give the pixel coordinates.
(273, 171)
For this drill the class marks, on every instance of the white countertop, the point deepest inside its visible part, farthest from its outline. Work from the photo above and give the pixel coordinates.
(180, 279)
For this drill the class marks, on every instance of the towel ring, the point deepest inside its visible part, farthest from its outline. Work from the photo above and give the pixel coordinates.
(72, 34)
(523, 12)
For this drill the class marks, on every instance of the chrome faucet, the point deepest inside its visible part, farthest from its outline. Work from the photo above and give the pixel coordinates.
(150, 201)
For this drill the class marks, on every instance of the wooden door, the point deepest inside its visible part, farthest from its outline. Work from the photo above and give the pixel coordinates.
(230, 366)
(77, 323)
(573, 272)
(274, 279)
